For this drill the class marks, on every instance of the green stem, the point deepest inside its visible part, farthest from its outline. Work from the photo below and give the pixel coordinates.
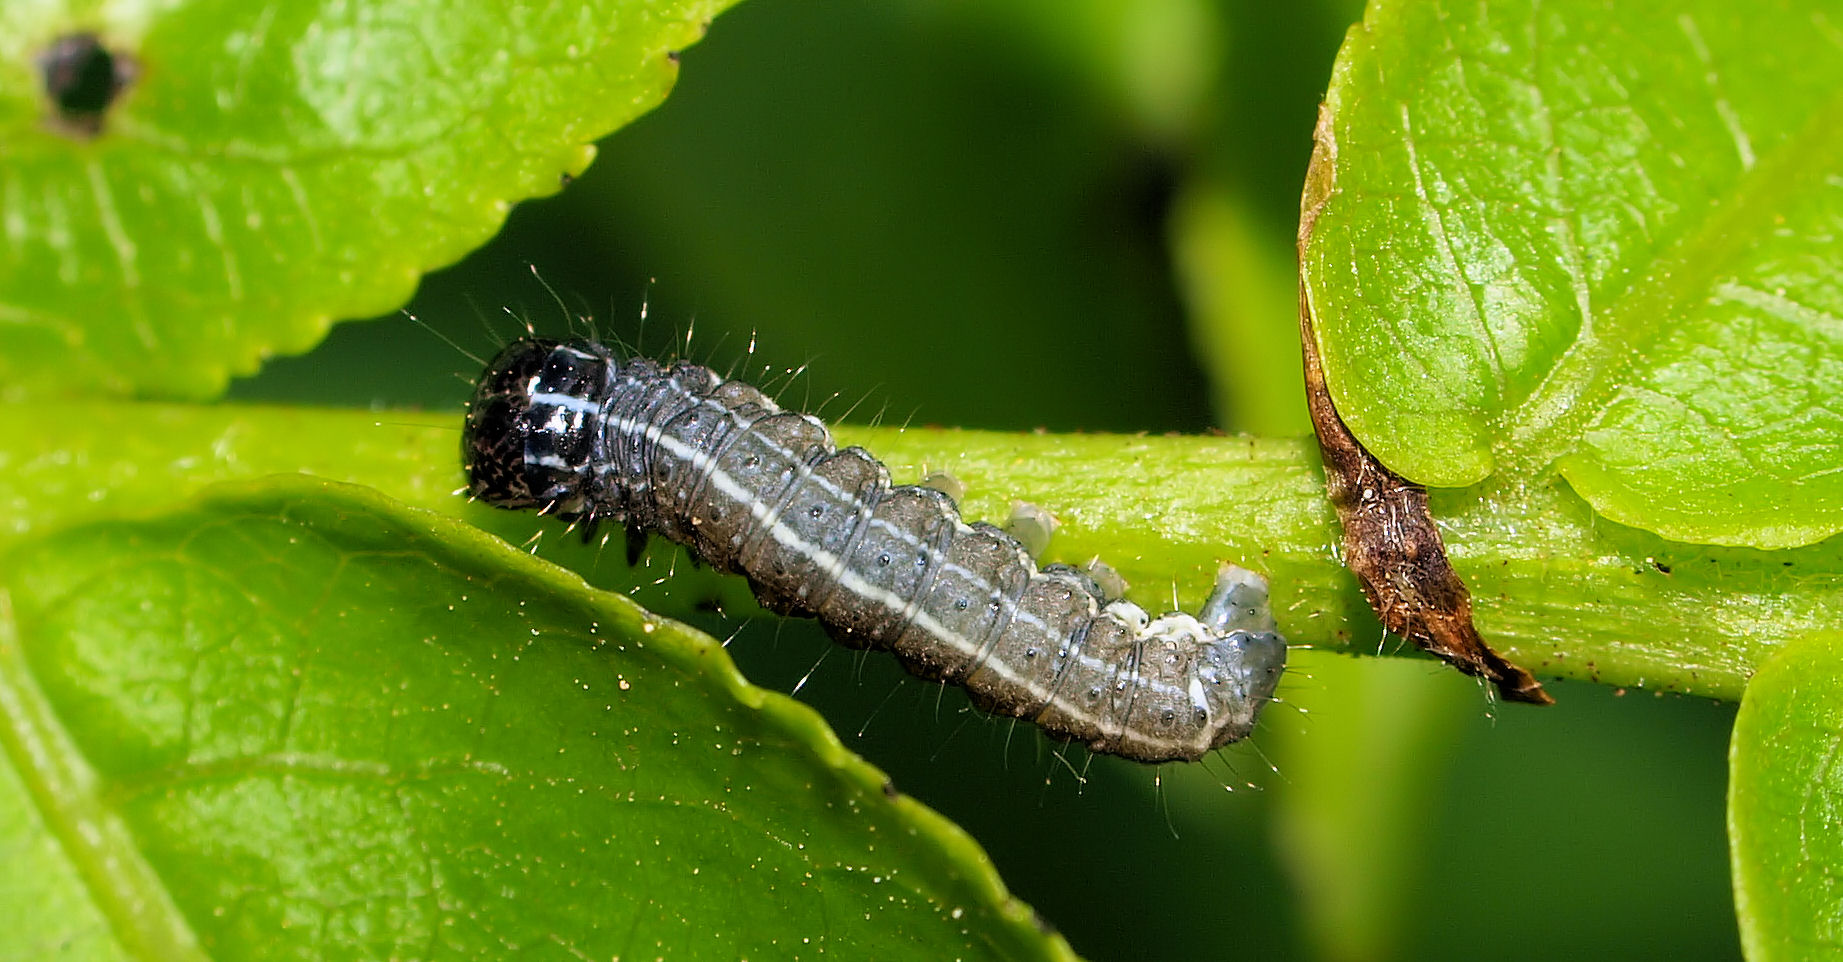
(1557, 589)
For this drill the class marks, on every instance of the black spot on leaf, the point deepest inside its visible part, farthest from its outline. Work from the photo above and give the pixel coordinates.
(83, 79)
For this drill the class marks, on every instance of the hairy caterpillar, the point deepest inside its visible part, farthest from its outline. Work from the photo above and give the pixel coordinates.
(569, 429)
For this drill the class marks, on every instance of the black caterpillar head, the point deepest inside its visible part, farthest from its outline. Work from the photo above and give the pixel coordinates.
(533, 432)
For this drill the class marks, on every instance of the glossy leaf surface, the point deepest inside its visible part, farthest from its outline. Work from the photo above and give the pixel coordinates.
(1601, 242)
(1785, 804)
(298, 720)
(269, 168)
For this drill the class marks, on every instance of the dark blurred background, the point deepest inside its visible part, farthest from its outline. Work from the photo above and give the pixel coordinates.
(1078, 215)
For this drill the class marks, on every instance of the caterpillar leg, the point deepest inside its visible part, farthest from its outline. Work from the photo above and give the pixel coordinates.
(1238, 602)
(1032, 526)
(1111, 583)
(945, 483)
(636, 543)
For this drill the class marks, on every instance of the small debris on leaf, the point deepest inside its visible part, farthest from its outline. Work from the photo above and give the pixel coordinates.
(83, 79)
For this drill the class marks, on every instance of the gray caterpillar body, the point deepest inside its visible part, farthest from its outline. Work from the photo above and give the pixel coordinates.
(569, 429)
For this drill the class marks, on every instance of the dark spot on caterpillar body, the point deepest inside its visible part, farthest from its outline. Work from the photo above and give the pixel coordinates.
(715, 465)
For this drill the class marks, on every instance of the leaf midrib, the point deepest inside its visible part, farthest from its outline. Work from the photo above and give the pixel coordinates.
(66, 792)
(1548, 424)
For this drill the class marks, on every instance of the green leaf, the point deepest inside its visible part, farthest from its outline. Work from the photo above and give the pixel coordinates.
(1562, 237)
(297, 719)
(271, 167)
(1785, 804)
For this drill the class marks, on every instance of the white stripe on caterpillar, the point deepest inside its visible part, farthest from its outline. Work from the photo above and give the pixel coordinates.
(568, 429)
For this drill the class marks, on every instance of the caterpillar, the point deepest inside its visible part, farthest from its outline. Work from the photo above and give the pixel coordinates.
(569, 429)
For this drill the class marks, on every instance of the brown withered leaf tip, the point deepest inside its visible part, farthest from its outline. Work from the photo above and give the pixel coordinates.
(1390, 540)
